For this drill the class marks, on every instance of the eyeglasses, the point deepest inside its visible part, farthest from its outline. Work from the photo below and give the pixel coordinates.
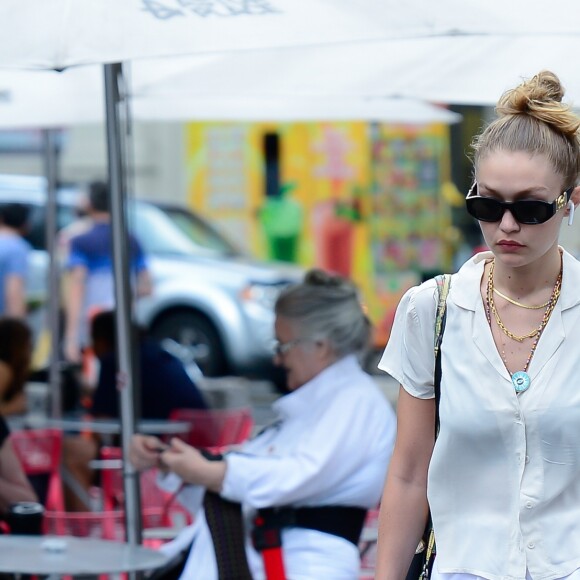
(280, 348)
(525, 211)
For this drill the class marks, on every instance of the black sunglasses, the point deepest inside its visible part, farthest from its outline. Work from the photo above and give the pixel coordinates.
(525, 211)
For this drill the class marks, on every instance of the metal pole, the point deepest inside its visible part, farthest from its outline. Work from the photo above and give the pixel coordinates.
(125, 375)
(50, 171)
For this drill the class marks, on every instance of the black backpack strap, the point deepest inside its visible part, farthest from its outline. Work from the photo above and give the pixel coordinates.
(225, 522)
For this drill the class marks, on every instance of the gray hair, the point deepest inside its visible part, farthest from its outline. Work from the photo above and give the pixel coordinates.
(327, 306)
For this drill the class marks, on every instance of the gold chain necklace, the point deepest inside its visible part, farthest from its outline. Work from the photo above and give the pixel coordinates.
(521, 381)
(545, 318)
(516, 303)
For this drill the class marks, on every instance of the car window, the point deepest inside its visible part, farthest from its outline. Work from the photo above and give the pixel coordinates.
(202, 233)
(159, 234)
(36, 234)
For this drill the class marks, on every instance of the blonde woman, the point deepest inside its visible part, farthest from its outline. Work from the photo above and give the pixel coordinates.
(503, 478)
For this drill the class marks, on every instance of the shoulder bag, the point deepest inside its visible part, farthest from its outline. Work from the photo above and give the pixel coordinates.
(422, 562)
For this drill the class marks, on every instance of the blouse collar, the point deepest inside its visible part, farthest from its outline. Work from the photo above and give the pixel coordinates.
(323, 385)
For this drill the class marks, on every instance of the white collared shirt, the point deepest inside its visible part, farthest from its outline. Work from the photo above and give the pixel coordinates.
(331, 446)
(504, 479)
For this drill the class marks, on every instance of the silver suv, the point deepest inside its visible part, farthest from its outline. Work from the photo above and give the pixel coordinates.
(211, 299)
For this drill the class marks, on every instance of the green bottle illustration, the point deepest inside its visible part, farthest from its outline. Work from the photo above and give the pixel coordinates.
(282, 218)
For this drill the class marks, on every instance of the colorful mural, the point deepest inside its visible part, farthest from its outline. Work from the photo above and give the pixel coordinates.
(354, 198)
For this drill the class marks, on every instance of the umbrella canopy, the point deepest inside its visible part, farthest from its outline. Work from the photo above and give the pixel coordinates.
(45, 99)
(452, 69)
(75, 96)
(61, 33)
(292, 109)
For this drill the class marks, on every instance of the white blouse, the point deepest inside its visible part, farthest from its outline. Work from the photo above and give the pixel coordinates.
(504, 479)
(331, 446)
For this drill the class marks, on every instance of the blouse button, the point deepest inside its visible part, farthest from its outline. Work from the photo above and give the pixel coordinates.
(531, 545)
(527, 458)
(529, 505)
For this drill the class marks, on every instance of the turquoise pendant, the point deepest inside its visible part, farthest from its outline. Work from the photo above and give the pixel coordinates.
(521, 381)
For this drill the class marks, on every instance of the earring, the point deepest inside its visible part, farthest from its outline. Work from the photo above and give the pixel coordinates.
(571, 212)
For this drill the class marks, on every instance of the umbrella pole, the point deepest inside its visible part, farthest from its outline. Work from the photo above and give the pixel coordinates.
(121, 269)
(50, 170)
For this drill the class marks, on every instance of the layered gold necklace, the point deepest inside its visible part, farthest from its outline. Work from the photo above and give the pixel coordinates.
(516, 303)
(520, 379)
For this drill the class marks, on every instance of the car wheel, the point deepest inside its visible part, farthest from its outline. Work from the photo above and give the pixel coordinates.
(194, 339)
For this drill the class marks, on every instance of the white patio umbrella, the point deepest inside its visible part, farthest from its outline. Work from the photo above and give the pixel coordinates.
(292, 109)
(452, 69)
(62, 33)
(76, 96)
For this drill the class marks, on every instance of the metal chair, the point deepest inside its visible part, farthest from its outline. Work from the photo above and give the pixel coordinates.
(216, 428)
(39, 452)
(106, 525)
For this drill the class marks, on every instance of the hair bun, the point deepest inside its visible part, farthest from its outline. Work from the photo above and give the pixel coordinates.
(541, 98)
(339, 285)
(318, 277)
(542, 89)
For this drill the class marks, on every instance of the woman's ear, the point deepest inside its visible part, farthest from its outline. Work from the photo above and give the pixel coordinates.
(324, 348)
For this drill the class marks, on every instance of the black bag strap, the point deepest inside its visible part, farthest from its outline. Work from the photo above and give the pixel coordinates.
(225, 522)
(443, 285)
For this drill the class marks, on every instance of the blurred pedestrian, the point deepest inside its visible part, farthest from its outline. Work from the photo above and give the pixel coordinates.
(320, 466)
(14, 251)
(164, 385)
(503, 477)
(90, 284)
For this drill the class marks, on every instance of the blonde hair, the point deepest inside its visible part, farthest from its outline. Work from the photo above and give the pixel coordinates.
(532, 118)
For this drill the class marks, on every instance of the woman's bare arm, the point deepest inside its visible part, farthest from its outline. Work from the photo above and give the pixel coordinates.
(404, 508)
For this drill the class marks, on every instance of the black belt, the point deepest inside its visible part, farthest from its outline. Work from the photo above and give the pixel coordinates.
(342, 521)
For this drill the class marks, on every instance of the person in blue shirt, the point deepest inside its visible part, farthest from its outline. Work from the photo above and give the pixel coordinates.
(90, 286)
(14, 250)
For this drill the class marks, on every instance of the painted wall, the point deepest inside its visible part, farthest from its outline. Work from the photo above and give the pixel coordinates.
(360, 199)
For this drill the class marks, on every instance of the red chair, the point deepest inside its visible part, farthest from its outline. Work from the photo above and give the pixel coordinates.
(216, 428)
(39, 452)
(368, 544)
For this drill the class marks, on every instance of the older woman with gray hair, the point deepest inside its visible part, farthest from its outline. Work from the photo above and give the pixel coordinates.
(314, 472)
